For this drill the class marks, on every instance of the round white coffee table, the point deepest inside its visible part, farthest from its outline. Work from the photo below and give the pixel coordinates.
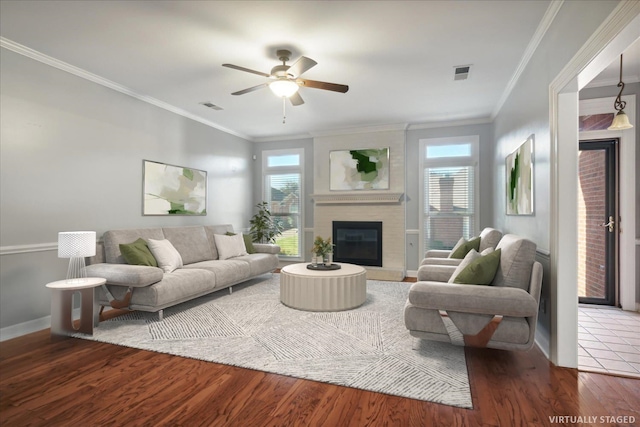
(62, 305)
(332, 290)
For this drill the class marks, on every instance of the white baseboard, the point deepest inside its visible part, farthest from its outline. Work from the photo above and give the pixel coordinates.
(26, 328)
(412, 273)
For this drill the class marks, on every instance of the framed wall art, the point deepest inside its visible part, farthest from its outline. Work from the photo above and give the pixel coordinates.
(173, 190)
(519, 180)
(366, 169)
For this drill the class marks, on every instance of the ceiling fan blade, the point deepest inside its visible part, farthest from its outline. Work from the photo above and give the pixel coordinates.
(236, 67)
(251, 89)
(301, 65)
(323, 85)
(296, 99)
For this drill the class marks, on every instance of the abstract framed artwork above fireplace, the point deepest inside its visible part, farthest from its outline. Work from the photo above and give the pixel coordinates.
(358, 242)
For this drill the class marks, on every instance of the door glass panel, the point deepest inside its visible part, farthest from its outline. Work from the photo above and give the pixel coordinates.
(592, 212)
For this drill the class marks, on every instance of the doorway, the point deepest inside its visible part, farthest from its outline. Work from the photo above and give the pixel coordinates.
(597, 222)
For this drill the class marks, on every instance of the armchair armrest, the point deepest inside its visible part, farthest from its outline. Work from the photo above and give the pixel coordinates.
(435, 273)
(437, 253)
(267, 248)
(478, 299)
(441, 261)
(126, 275)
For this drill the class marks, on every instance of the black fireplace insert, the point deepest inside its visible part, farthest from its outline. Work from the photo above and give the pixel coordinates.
(358, 242)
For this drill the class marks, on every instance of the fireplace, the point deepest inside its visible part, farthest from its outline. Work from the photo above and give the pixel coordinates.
(358, 242)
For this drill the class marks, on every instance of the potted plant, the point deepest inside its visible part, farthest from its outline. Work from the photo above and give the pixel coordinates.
(323, 248)
(264, 228)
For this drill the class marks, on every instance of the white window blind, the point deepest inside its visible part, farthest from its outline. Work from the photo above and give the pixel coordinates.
(282, 190)
(449, 191)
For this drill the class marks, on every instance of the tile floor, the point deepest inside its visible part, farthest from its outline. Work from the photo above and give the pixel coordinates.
(608, 340)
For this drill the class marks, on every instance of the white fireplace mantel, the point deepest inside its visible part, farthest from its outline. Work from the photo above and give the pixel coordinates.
(371, 197)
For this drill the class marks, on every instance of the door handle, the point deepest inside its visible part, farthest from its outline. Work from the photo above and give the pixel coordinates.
(609, 224)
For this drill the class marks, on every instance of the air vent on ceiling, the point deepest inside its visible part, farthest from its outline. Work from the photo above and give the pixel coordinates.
(212, 106)
(461, 72)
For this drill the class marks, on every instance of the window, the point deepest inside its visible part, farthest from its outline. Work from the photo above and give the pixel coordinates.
(449, 191)
(283, 177)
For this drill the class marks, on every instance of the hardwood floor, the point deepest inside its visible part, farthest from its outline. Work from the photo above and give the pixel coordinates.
(74, 382)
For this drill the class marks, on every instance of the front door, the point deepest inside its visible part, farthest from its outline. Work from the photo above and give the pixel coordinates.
(597, 221)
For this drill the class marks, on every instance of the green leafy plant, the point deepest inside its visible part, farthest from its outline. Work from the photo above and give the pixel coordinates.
(264, 228)
(321, 246)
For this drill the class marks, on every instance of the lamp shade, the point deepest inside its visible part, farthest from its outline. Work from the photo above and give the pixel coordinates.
(73, 244)
(620, 122)
(283, 87)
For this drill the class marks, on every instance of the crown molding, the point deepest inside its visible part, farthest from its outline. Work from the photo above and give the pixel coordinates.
(282, 138)
(79, 72)
(452, 123)
(545, 23)
(363, 129)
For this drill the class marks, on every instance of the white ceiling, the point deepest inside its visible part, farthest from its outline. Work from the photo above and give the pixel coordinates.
(397, 57)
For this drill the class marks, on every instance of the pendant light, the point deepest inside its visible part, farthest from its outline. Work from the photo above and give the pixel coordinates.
(621, 120)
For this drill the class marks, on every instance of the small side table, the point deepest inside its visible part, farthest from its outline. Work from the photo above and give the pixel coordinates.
(62, 305)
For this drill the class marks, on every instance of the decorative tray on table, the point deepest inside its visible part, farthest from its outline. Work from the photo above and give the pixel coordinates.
(322, 267)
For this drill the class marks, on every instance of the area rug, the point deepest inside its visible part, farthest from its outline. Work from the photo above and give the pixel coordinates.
(366, 348)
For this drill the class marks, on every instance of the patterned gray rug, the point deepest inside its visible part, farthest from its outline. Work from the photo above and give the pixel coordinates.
(367, 348)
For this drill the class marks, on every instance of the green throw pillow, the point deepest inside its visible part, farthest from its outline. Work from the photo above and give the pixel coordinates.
(460, 251)
(248, 243)
(138, 253)
(480, 271)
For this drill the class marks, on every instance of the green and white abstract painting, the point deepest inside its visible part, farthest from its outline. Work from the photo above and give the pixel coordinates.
(366, 169)
(173, 190)
(519, 167)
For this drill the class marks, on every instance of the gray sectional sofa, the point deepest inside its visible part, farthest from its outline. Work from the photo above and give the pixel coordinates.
(202, 271)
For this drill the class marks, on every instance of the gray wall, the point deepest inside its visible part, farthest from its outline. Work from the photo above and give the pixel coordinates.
(414, 252)
(526, 112)
(71, 159)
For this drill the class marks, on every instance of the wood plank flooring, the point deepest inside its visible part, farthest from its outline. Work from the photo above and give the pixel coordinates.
(73, 382)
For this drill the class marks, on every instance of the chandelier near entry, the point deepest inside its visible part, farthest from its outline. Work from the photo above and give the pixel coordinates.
(621, 120)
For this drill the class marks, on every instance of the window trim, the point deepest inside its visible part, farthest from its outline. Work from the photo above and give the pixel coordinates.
(269, 170)
(458, 161)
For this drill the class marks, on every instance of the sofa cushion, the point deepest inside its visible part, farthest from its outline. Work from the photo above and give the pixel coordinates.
(191, 243)
(174, 288)
(227, 272)
(480, 271)
(489, 238)
(137, 253)
(260, 263)
(113, 238)
(126, 275)
(516, 261)
(167, 256)
(473, 299)
(230, 246)
(463, 247)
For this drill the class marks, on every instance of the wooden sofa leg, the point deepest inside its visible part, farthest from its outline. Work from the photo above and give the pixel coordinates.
(484, 336)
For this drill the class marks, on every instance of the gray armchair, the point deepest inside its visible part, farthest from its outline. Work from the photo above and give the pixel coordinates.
(437, 265)
(502, 315)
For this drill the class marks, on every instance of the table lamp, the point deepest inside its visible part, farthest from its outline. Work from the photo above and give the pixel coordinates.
(76, 245)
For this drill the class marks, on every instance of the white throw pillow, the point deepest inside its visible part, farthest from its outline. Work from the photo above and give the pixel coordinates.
(230, 246)
(166, 254)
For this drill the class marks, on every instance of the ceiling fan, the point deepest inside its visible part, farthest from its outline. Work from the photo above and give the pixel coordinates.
(284, 80)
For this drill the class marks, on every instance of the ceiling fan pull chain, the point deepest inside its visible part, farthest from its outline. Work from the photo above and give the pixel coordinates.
(284, 109)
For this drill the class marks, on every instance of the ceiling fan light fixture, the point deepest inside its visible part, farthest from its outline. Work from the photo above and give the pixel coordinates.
(283, 88)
